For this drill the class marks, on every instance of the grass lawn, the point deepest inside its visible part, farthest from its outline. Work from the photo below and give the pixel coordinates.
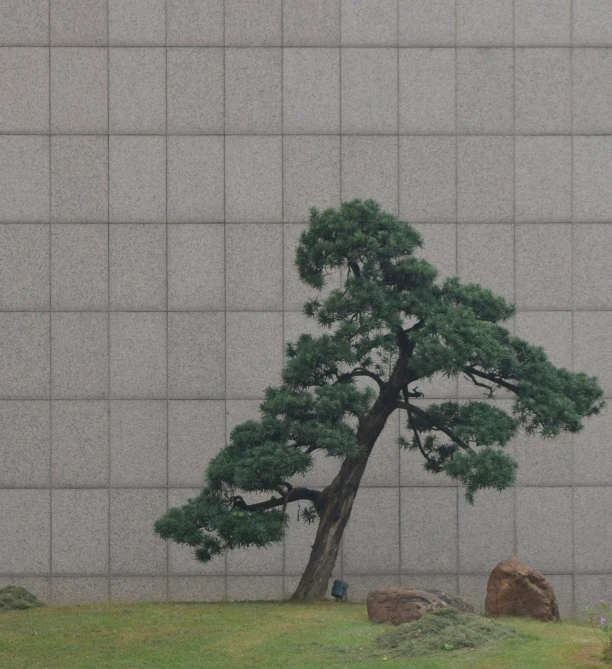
(327, 635)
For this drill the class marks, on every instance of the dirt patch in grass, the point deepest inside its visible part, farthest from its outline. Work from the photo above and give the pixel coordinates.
(15, 598)
(442, 631)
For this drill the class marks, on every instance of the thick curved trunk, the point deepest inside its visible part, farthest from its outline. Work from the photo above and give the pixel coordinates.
(338, 499)
(340, 496)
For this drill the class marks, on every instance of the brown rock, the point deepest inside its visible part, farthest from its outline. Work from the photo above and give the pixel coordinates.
(403, 605)
(453, 600)
(515, 589)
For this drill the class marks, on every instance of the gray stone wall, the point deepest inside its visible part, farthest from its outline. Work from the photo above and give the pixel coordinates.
(157, 161)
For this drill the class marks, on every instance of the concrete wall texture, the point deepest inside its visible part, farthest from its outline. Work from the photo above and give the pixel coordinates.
(157, 162)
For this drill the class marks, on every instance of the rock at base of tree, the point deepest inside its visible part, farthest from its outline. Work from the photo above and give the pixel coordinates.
(515, 589)
(15, 598)
(403, 605)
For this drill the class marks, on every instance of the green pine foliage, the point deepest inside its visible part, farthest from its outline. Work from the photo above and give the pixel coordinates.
(392, 316)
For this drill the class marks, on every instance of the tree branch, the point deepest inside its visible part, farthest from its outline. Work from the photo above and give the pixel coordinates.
(361, 372)
(417, 326)
(469, 370)
(410, 408)
(288, 487)
(417, 438)
(491, 389)
(293, 495)
(414, 393)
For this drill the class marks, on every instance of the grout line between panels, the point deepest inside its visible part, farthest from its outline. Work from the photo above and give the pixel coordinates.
(167, 308)
(108, 279)
(50, 330)
(24, 133)
(363, 47)
(514, 269)
(341, 54)
(282, 87)
(457, 501)
(573, 300)
(225, 565)
(529, 310)
(399, 457)
(357, 574)
(393, 486)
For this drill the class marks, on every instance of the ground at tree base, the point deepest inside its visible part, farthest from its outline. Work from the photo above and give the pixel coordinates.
(254, 635)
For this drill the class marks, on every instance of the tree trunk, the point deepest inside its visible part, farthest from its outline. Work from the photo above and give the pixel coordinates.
(338, 499)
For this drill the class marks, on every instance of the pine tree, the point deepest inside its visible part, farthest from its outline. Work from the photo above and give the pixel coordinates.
(390, 326)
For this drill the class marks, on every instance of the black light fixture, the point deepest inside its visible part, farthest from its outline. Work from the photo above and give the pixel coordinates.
(340, 590)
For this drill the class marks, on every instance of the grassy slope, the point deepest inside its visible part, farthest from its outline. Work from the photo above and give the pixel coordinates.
(251, 635)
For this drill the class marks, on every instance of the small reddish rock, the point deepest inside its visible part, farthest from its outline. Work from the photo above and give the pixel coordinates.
(515, 589)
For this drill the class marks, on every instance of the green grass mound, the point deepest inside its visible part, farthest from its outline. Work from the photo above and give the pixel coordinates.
(14, 597)
(443, 630)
